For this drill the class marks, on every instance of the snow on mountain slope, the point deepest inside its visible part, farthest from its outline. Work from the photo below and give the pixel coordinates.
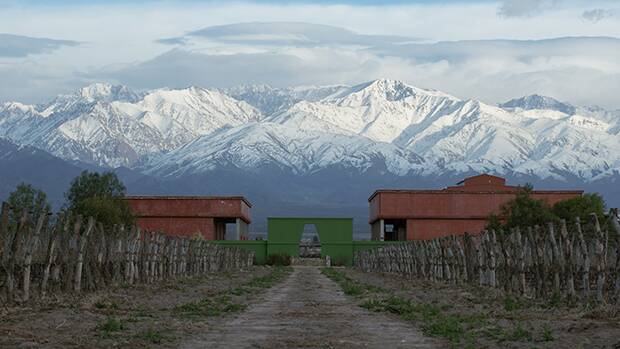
(255, 145)
(538, 102)
(271, 100)
(383, 124)
(379, 110)
(114, 126)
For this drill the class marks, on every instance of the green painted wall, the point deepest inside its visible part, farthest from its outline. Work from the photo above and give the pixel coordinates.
(335, 234)
(258, 246)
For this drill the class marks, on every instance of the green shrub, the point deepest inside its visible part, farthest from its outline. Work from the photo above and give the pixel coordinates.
(511, 304)
(111, 324)
(547, 335)
(153, 336)
(279, 259)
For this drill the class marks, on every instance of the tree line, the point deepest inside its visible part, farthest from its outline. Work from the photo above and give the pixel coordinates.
(526, 211)
(91, 194)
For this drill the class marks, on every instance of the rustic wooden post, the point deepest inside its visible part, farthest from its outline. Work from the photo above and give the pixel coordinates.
(613, 215)
(585, 260)
(80, 254)
(4, 227)
(480, 250)
(556, 262)
(520, 255)
(568, 261)
(51, 255)
(31, 245)
(9, 256)
(535, 261)
(508, 261)
(601, 255)
(492, 241)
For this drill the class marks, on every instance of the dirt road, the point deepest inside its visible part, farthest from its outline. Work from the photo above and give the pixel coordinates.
(308, 310)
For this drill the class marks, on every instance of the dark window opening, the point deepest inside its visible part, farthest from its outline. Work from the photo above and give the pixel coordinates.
(395, 230)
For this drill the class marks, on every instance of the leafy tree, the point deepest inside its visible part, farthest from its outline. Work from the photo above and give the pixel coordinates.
(27, 198)
(525, 211)
(494, 223)
(99, 195)
(581, 207)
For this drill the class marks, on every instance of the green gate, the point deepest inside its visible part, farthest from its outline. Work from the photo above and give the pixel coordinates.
(335, 234)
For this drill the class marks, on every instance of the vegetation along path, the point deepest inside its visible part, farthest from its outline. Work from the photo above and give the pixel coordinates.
(311, 311)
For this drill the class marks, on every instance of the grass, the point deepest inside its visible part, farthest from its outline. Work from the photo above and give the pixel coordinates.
(547, 335)
(269, 280)
(152, 336)
(511, 304)
(435, 319)
(223, 303)
(349, 286)
(212, 306)
(111, 325)
(111, 305)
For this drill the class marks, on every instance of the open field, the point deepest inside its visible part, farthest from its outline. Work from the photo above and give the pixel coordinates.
(141, 316)
(474, 317)
(304, 307)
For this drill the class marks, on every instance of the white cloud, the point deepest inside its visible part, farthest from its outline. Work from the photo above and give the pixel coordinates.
(291, 34)
(580, 70)
(597, 14)
(132, 44)
(22, 46)
(524, 8)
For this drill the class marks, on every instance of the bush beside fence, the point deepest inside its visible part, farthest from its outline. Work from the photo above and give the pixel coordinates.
(49, 254)
(577, 261)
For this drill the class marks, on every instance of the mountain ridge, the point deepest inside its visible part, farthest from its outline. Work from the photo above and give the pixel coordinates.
(384, 123)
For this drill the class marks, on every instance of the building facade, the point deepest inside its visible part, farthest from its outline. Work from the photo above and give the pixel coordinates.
(212, 217)
(427, 214)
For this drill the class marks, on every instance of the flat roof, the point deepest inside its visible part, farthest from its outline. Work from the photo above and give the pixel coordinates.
(455, 191)
(309, 218)
(190, 197)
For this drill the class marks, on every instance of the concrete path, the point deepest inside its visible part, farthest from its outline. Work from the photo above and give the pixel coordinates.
(308, 310)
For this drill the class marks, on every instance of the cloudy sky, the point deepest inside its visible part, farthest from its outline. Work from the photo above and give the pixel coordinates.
(484, 49)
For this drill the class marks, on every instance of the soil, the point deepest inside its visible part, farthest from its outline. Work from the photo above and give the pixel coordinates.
(145, 312)
(310, 311)
(575, 327)
(304, 310)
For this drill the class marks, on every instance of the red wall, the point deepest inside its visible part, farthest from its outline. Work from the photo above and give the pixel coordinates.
(187, 216)
(448, 204)
(186, 226)
(434, 213)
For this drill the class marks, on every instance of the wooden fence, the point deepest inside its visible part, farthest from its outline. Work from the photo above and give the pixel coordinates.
(45, 255)
(576, 261)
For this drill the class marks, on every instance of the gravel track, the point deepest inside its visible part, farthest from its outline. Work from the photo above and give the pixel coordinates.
(308, 310)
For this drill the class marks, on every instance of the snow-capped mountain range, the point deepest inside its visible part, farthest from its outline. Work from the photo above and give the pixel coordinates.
(385, 124)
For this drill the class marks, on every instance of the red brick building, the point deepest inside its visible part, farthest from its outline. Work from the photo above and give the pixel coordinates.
(426, 214)
(191, 215)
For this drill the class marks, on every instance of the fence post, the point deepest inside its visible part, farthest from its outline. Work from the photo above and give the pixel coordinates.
(31, 245)
(80, 254)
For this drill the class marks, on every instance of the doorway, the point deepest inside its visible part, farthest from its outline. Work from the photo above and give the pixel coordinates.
(310, 243)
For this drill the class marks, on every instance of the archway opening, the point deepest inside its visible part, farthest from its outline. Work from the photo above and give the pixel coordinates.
(310, 243)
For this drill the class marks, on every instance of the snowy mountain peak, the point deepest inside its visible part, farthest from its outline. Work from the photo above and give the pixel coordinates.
(391, 90)
(535, 101)
(386, 90)
(16, 107)
(108, 93)
(382, 124)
